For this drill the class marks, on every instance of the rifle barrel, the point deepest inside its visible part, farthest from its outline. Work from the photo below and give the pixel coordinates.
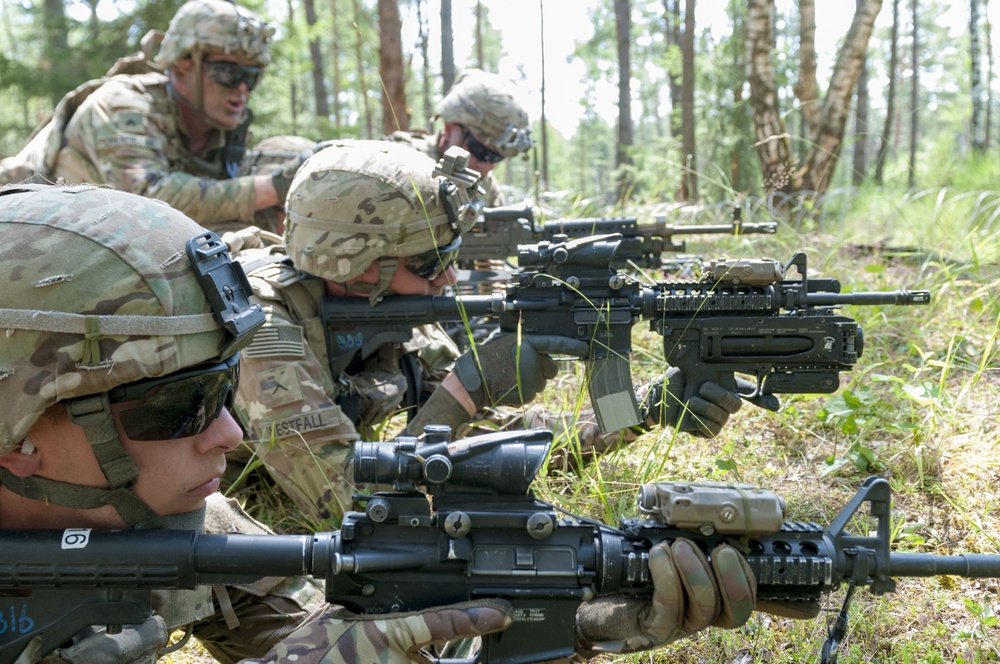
(973, 566)
(898, 298)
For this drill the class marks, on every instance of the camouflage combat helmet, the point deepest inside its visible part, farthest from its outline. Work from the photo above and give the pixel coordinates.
(215, 26)
(487, 105)
(86, 308)
(356, 202)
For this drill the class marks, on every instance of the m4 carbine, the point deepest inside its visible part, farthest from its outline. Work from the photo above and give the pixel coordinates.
(461, 524)
(501, 230)
(741, 316)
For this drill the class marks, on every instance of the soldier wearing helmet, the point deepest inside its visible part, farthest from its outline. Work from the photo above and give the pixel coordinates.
(172, 127)
(481, 114)
(119, 363)
(369, 219)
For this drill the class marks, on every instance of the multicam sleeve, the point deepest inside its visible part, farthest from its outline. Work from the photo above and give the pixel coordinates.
(286, 403)
(121, 134)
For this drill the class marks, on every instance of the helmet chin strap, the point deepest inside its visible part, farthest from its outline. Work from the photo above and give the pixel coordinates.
(93, 414)
(198, 103)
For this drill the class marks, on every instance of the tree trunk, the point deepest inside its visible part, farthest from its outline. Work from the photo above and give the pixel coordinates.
(395, 114)
(56, 29)
(825, 151)
(672, 20)
(914, 95)
(890, 103)
(447, 48)
(480, 60)
(318, 75)
(623, 157)
(335, 60)
(772, 143)
(545, 131)
(293, 88)
(988, 36)
(362, 84)
(424, 39)
(806, 88)
(976, 128)
(861, 124)
(689, 178)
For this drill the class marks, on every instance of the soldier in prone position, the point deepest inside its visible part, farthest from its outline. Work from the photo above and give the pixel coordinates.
(172, 128)
(118, 366)
(366, 219)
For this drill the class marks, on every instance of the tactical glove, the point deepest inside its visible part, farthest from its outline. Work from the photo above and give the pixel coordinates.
(281, 178)
(689, 594)
(341, 637)
(704, 415)
(502, 372)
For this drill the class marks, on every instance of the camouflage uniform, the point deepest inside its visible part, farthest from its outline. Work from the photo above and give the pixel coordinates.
(88, 309)
(126, 130)
(486, 105)
(302, 415)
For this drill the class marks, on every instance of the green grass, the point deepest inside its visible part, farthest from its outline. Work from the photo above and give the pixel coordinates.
(920, 408)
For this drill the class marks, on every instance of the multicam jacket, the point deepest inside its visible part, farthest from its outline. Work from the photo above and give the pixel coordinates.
(125, 131)
(300, 418)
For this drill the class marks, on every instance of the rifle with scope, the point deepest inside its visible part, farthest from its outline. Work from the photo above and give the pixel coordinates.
(745, 316)
(501, 230)
(462, 524)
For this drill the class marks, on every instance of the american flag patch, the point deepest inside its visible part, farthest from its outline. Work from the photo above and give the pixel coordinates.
(276, 340)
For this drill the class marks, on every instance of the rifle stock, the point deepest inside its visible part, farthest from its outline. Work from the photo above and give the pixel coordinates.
(742, 317)
(484, 534)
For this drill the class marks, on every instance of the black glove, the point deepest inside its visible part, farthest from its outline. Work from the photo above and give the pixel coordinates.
(281, 178)
(703, 415)
(510, 374)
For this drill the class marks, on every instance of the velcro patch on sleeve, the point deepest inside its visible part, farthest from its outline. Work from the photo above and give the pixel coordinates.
(277, 341)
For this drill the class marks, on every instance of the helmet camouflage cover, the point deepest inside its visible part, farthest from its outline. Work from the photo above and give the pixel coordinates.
(487, 105)
(355, 202)
(215, 26)
(86, 307)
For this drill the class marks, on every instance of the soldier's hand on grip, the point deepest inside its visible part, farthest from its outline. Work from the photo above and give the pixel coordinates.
(691, 592)
(501, 371)
(703, 415)
(341, 637)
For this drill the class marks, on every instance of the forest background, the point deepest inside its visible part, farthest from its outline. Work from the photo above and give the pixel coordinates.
(676, 99)
(872, 139)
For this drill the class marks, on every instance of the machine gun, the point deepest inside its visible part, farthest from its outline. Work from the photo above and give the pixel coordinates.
(501, 230)
(741, 317)
(461, 524)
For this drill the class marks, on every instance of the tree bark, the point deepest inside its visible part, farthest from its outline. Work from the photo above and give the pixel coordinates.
(447, 48)
(318, 75)
(772, 144)
(623, 157)
(861, 124)
(914, 94)
(545, 132)
(480, 60)
(424, 38)
(825, 152)
(689, 178)
(395, 114)
(335, 61)
(806, 88)
(362, 84)
(293, 88)
(976, 128)
(672, 20)
(890, 103)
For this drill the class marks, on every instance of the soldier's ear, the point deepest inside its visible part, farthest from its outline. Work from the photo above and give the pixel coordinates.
(182, 68)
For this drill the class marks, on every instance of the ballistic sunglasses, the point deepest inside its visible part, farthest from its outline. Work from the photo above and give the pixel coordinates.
(230, 74)
(179, 405)
(480, 151)
(431, 264)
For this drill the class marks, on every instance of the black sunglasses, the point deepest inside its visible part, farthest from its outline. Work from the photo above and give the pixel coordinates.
(431, 264)
(230, 74)
(182, 404)
(480, 151)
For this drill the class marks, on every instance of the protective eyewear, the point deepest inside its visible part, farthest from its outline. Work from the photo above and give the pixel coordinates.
(431, 264)
(480, 151)
(180, 405)
(230, 74)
